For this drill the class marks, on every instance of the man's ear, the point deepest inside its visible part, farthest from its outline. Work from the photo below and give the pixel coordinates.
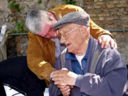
(82, 30)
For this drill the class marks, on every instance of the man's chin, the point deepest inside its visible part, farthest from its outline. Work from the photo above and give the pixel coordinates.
(48, 37)
(52, 36)
(70, 50)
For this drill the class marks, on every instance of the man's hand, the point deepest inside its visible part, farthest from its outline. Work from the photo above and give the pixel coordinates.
(64, 77)
(105, 40)
(65, 89)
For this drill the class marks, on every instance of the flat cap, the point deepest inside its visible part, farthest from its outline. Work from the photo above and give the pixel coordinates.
(81, 18)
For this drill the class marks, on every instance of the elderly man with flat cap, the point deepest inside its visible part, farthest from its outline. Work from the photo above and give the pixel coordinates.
(89, 70)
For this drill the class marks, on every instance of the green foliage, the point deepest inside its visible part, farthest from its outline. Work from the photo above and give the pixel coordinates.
(39, 1)
(19, 27)
(70, 2)
(13, 4)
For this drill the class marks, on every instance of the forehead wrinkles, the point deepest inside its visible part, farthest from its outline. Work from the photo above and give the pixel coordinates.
(66, 28)
(69, 27)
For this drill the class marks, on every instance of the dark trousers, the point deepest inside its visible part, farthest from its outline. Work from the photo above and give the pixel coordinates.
(17, 75)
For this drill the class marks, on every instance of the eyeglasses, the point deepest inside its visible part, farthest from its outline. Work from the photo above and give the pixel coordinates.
(65, 34)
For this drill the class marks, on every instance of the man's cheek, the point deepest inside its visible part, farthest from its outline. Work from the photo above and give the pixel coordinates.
(48, 37)
(52, 33)
(44, 32)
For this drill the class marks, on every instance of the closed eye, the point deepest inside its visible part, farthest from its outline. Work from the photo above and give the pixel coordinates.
(50, 18)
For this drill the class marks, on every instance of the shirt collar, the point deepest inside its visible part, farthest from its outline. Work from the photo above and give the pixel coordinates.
(71, 56)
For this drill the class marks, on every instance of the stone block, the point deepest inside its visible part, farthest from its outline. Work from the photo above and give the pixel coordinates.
(124, 18)
(123, 1)
(110, 18)
(101, 18)
(125, 25)
(104, 14)
(97, 6)
(89, 7)
(96, 0)
(89, 0)
(93, 15)
(110, 5)
(95, 18)
(122, 5)
(116, 1)
(99, 3)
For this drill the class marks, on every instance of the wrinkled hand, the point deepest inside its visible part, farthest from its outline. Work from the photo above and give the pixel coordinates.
(65, 89)
(64, 77)
(105, 40)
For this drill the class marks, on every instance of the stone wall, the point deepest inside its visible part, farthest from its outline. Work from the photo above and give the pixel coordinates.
(122, 38)
(109, 14)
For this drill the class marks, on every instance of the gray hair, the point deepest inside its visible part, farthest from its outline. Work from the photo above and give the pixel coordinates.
(80, 18)
(34, 20)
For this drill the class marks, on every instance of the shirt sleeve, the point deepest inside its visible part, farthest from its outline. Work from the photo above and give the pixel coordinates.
(38, 57)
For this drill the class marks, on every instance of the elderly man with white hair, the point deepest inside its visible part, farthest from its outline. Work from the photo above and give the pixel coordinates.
(90, 69)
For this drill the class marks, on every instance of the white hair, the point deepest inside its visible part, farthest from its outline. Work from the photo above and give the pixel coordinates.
(35, 19)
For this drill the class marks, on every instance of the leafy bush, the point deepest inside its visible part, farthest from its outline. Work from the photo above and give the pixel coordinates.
(14, 5)
(70, 2)
(39, 1)
(19, 27)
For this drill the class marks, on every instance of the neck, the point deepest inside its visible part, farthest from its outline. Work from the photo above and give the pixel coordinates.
(83, 48)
